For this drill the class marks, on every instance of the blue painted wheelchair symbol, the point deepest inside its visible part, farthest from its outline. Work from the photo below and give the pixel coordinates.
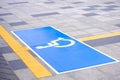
(54, 43)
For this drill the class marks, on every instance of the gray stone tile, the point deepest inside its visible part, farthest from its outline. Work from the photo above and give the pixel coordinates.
(5, 14)
(90, 9)
(93, 30)
(18, 23)
(79, 2)
(66, 7)
(45, 14)
(5, 50)
(58, 77)
(4, 76)
(3, 62)
(1, 57)
(103, 41)
(1, 19)
(90, 14)
(25, 74)
(6, 72)
(17, 3)
(50, 2)
(95, 6)
(110, 70)
(118, 25)
(112, 6)
(11, 18)
(108, 9)
(92, 74)
(109, 2)
(11, 57)
(17, 64)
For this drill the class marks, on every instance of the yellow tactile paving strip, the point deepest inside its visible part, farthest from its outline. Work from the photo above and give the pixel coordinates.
(37, 69)
(99, 36)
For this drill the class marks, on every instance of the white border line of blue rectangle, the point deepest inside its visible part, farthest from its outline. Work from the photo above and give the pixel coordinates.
(70, 37)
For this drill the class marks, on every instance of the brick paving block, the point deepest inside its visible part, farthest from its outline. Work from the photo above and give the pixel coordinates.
(79, 2)
(17, 3)
(45, 14)
(5, 14)
(25, 74)
(90, 14)
(18, 23)
(6, 72)
(108, 9)
(92, 74)
(17, 64)
(6, 50)
(10, 56)
(50, 2)
(58, 77)
(109, 2)
(66, 7)
(118, 25)
(11, 18)
(1, 19)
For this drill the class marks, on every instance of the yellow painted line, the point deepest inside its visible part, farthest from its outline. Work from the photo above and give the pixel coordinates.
(37, 69)
(99, 36)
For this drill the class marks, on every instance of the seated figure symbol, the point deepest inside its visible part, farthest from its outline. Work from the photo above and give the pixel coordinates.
(54, 43)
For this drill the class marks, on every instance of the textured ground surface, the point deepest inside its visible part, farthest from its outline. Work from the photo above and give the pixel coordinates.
(78, 18)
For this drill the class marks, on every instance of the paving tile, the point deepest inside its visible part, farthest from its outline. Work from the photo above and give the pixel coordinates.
(92, 74)
(51, 2)
(11, 18)
(108, 9)
(94, 6)
(89, 9)
(10, 57)
(118, 25)
(112, 6)
(25, 74)
(1, 19)
(110, 70)
(77, 2)
(4, 66)
(109, 2)
(6, 72)
(90, 14)
(45, 14)
(94, 30)
(5, 14)
(4, 76)
(103, 41)
(17, 64)
(59, 77)
(18, 23)
(66, 7)
(1, 57)
(5, 50)
(17, 3)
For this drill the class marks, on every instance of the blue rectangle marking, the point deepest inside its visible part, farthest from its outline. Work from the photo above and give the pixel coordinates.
(61, 52)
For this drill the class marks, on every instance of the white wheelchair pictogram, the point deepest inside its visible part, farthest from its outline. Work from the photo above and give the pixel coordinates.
(55, 43)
